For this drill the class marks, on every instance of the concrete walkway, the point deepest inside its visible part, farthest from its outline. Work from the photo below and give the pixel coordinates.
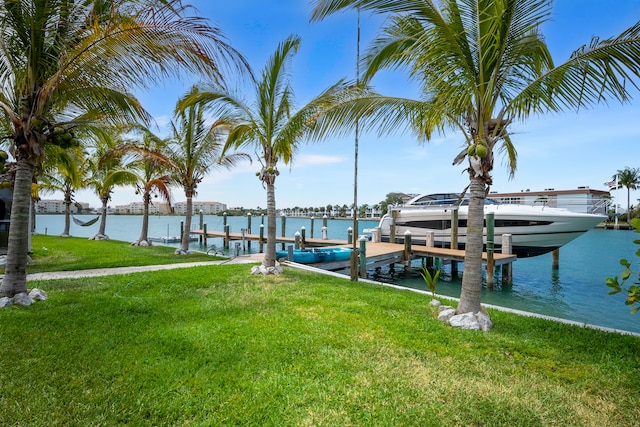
(242, 259)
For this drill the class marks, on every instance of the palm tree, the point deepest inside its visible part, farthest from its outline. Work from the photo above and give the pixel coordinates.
(151, 168)
(84, 55)
(107, 171)
(628, 178)
(67, 176)
(481, 65)
(194, 149)
(269, 125)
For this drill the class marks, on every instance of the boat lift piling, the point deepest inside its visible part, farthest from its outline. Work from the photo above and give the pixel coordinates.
(249, 229)
(454, 240)
(284, 227)
(490, 220)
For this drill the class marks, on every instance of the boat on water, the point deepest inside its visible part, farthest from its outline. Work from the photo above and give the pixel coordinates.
(535, 230)
(316, 255)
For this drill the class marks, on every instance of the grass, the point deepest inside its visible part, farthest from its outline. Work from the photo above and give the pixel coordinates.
(215, 345)
(54, 253)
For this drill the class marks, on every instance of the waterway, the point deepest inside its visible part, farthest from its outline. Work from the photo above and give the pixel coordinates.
(575, 291)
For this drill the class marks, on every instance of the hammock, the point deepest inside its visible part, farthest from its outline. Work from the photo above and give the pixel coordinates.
(83, 223)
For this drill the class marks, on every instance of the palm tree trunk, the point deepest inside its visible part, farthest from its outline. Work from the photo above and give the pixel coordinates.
(15, 276)
(270, 253)
(144, 233)
(470, 295)
(67, 214)
(186, 232)
(103, 219)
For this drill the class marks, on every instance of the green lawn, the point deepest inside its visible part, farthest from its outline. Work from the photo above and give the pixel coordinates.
(54, 253)
(215, 345)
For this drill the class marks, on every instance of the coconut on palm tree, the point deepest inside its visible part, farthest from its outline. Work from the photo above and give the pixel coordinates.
(85, 55)
(270, 125)
(481, 65)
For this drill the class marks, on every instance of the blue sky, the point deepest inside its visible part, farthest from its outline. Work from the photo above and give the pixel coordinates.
(561, 151)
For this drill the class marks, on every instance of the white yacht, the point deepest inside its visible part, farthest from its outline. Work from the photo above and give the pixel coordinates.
(535, 230)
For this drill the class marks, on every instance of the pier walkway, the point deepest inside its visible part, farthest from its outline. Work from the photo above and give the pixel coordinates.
(377, 253)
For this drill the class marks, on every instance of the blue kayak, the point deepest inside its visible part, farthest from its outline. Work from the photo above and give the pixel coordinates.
(316, 255)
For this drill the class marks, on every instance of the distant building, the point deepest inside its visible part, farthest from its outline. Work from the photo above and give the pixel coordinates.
(137, 208)
(582, 199)
(207, 208)
(58, 207)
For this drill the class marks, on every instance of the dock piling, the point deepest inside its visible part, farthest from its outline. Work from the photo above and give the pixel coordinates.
(507, 271)
(261, 239)
(490, 219)
(363, 257)
(454, 240)
(249, 229)
(407, 249)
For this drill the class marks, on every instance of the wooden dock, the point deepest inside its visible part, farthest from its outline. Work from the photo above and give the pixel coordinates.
(377, 253)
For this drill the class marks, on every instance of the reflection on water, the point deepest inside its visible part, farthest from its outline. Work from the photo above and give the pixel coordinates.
(576, 290)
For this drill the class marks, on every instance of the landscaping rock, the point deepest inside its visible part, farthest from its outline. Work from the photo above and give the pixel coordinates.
(435, 303)
(471, 321)
(261, 269)
(22, 299)
(5, 301)
(446, 314)
(38, 294)
(484, 321)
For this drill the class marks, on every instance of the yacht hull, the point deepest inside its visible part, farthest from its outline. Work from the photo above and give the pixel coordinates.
(534, 230)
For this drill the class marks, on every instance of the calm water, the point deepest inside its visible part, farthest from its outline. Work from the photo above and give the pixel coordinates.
(576, 291)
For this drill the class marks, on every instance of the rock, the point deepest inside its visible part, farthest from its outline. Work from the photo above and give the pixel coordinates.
(38, 294)
(261, 269)
(5, 301)
(181, 252)
(472, 321)
(465, 321)
(22, 299)
(435, 303)
(446, 314)
(484, 321)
